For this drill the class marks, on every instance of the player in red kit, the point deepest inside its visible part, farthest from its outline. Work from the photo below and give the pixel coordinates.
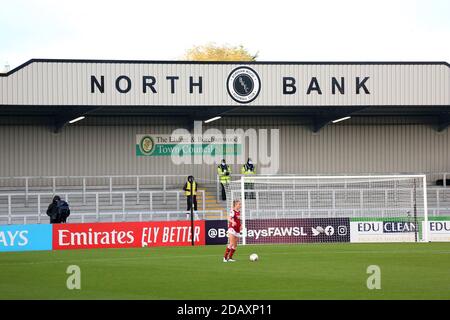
(234, 231)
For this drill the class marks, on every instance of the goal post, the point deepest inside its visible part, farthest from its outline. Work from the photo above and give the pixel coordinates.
(357, 208)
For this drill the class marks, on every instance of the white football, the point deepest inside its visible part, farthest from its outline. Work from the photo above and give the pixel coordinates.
(253, 257)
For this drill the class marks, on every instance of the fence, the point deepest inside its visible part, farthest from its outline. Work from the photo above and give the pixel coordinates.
(82, 182)
(438, 202)
(122, 196)
(440, 196)
(117, 216)
(162, 181)
(431, 176)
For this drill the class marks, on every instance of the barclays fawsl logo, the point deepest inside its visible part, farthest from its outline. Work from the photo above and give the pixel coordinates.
(243, 85)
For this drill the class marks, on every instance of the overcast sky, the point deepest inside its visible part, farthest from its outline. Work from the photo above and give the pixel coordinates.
(313, 30)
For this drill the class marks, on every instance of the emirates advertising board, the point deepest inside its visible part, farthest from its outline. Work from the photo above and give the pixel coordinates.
(127, 234)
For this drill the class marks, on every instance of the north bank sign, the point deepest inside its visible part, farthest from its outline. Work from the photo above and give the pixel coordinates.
(243, 85)
(184, 83)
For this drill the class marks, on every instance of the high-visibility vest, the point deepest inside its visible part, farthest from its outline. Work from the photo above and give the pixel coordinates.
(188, 189)
(246, 170)
(224, 178)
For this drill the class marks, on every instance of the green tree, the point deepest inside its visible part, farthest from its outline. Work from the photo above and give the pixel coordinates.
(213, 52)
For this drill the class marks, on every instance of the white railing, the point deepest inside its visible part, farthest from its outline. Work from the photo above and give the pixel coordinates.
(439, 204)
(339, 213)
(122, 195)
(161, 181)
(52, 181)
(112, 216)
(431, 177)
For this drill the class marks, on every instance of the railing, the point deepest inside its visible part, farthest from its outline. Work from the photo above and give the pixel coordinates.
(120, 216)
(338, 213)
(341, 213)
(68, 195)
(162, 181)
(431, 177)
(52, 181)
(439, 204)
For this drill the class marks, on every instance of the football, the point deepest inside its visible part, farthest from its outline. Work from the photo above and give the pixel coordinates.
(253, 257)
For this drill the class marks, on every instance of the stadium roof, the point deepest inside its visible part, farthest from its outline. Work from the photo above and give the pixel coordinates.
(57, 90)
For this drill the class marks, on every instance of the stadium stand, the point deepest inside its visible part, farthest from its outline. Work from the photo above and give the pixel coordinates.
(24, 200)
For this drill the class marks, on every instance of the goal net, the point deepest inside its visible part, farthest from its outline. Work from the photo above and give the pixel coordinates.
(302, 209)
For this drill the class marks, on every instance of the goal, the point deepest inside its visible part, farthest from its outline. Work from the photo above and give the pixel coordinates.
(303, 209)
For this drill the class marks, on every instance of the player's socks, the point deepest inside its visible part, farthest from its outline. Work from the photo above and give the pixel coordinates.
(231, 253)
(227, 251)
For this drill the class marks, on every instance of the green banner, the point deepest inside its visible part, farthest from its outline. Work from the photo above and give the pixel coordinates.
(163, 145)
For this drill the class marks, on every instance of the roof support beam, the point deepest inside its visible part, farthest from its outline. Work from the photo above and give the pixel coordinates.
(205, 115)
(443, 123)
(60, 120)
(58, 125)
(322, 119)
(320, 122)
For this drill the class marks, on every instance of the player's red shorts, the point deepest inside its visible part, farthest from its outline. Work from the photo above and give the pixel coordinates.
(234, 232)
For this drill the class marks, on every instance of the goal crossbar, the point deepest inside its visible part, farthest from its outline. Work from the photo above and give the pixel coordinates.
(260, 177)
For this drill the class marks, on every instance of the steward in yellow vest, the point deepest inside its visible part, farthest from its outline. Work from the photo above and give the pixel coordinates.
(249, 169)
(224, 173)
(191, 198)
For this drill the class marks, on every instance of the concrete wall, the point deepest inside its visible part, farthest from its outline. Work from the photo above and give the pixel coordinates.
(107, 147)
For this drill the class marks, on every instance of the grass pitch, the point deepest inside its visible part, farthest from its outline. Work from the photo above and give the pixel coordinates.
(303, 271)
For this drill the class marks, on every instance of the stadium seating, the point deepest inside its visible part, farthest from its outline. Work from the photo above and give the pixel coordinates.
(98, 204)
(125, 203)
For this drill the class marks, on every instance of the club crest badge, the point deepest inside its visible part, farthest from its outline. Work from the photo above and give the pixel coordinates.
(147, 145)
(243, 85)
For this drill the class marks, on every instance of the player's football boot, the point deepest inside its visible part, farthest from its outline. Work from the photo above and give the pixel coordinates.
(225, 260)
(231, 260)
